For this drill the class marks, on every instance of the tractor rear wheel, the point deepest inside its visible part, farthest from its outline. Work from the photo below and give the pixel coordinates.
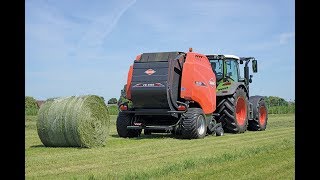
(233, 111)
(194, 124)
(124, 120)
(260, 117)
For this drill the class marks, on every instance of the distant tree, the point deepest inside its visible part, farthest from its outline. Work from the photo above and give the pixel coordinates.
(276, 101)
(292, 103)
(31, 107)
(113, 101)
(123, 97)
(30, 102)
(123, 91)
(52, 98)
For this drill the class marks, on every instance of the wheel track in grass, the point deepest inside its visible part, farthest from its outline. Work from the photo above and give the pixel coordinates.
(185, 144)
(167, 154)
(110, 161)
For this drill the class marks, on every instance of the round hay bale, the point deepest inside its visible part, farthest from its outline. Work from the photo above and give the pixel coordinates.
(81, 121)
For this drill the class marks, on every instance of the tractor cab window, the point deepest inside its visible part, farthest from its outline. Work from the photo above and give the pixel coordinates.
(217, 68)
(232, 69)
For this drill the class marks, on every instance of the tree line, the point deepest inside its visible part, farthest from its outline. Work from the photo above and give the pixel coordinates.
(278, 105)
(275, 105)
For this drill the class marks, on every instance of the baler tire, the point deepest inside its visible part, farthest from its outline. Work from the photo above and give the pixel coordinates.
(194, 124)
(147, 132)
(234, 120)
(124, 120)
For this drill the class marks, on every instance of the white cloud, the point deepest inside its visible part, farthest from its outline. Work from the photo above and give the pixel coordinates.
(65, 33)
(100, 28)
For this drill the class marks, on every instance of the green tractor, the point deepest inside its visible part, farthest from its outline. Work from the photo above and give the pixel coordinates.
(236, 110)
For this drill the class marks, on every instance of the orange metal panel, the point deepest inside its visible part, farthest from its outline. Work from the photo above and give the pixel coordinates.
(198, 82)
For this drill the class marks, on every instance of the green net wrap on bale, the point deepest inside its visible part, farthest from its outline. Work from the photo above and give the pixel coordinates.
(81, 121)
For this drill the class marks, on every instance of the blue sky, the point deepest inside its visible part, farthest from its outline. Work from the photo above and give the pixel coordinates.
(78, 47)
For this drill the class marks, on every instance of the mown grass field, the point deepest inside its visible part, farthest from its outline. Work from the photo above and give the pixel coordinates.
(267, 154)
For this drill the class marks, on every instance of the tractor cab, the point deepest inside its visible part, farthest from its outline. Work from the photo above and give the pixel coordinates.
(226, 68)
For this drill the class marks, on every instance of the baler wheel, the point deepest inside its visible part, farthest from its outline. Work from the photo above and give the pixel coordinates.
(124, 120)
(194, 124)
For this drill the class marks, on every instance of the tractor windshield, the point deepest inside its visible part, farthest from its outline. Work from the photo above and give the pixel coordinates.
(217, 68)
(232, 69)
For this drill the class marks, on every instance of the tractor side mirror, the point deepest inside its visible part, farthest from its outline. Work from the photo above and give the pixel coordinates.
(254, 66)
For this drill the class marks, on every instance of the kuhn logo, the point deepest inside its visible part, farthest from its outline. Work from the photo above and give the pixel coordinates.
(150, 71)
(212, 82)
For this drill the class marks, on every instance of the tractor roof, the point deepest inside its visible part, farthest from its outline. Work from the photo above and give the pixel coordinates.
(226, 56)
(231, 56)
